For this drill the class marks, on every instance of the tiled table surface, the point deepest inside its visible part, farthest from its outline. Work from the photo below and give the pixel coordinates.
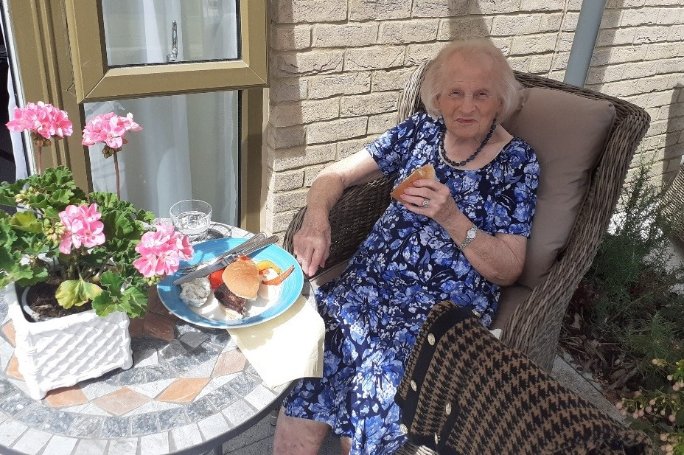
(188, 386)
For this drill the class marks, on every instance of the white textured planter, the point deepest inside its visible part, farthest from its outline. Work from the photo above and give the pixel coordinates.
(63, 351)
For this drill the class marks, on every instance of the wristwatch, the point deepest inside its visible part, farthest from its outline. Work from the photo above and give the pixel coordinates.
(469, 237)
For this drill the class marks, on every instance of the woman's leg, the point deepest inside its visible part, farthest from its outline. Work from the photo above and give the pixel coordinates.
(345, 444)
(295, 436)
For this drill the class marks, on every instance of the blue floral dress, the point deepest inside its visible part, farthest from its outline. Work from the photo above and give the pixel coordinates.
(374, 311)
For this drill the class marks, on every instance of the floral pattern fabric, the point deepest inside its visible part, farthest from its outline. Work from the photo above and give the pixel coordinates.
(374, 310)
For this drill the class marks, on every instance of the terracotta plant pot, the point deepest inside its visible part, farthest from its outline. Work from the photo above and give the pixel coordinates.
(63, 351)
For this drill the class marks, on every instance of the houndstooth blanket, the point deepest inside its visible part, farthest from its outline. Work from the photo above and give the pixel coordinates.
(464, 392)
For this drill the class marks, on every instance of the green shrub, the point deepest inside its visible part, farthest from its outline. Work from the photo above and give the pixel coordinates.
(626, 313)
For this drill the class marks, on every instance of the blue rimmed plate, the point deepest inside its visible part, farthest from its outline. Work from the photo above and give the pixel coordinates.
(291, 288)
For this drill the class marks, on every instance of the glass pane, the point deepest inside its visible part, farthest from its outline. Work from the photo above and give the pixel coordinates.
(188, 149)
(139, 32)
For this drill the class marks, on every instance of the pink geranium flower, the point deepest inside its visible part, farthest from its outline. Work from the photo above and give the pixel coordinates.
(82, 227)
(41, 119)
(161, 251)
(109, 129)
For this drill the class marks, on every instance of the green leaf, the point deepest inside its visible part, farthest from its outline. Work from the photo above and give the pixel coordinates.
(105, 303)
(131, 300)
(76, 293)
(27, 276)
(50, 191)
(21, 275)
(135, 302)
(27, 221)
(7, 199)
(12, 250)
(8, 191)
(112, 282)
(7, 239)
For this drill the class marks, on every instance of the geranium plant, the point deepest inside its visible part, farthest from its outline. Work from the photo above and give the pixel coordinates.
(97, 249)
(110, 129)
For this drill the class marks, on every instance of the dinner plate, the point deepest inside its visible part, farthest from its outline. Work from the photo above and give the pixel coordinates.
(291, 288)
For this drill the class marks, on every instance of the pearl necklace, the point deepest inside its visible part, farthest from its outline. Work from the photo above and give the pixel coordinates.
(452, 163)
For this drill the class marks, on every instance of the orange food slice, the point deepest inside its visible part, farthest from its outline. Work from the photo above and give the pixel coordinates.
(268, 264)
(280, 278)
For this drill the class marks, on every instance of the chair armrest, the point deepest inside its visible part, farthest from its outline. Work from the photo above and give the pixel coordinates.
(351, 219)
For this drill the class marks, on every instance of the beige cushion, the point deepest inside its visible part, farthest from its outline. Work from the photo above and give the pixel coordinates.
(568, 133)
(511, 298)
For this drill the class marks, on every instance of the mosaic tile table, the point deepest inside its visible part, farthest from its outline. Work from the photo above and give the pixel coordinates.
(190, 389)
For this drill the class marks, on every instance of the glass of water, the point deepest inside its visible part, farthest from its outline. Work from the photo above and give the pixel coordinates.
(192, 218)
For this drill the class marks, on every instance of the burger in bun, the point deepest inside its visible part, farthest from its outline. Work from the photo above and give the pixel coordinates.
(240, 284)
(242, 278)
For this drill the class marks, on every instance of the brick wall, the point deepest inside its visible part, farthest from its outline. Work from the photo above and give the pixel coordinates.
(337, 68)
(639, 56)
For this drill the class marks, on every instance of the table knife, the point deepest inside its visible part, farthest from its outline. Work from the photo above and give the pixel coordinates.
(236, 249)
(228, 257)
(205, 266)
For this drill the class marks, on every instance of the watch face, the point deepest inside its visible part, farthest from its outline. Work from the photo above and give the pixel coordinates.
(470, 235)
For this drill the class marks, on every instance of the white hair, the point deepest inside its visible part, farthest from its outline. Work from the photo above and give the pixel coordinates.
(505, 84)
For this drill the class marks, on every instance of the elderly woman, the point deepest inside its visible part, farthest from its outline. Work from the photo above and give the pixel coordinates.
(458, 237)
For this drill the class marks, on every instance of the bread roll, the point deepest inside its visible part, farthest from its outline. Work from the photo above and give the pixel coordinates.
(426, 171)
(242, 278)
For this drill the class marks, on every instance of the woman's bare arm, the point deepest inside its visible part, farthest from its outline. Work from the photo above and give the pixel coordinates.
(311, 244)
(498, 258)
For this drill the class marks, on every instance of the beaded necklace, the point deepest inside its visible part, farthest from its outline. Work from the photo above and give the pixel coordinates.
(452, 163)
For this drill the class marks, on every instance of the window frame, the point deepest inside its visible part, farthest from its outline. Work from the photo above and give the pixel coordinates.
(94, 80)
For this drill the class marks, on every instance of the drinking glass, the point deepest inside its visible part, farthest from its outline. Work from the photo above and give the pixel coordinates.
(192, 218)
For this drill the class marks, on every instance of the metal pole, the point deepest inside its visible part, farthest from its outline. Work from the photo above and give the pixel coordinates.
(588, 25)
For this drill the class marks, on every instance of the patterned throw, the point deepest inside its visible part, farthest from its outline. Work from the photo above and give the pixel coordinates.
(464, 392)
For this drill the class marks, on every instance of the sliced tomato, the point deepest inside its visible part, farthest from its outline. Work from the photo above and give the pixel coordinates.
(281, 277)
(215, 278)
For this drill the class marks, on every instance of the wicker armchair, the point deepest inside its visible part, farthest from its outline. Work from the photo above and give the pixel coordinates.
(534, 326)
(673, 206)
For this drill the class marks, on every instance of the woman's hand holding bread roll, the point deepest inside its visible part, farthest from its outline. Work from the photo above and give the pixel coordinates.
(422, 193)
(426, 171)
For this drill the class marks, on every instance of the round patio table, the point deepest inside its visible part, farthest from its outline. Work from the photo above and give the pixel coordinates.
(189, 391)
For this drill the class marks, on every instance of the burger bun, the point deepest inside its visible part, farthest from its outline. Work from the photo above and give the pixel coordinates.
(242, 278)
